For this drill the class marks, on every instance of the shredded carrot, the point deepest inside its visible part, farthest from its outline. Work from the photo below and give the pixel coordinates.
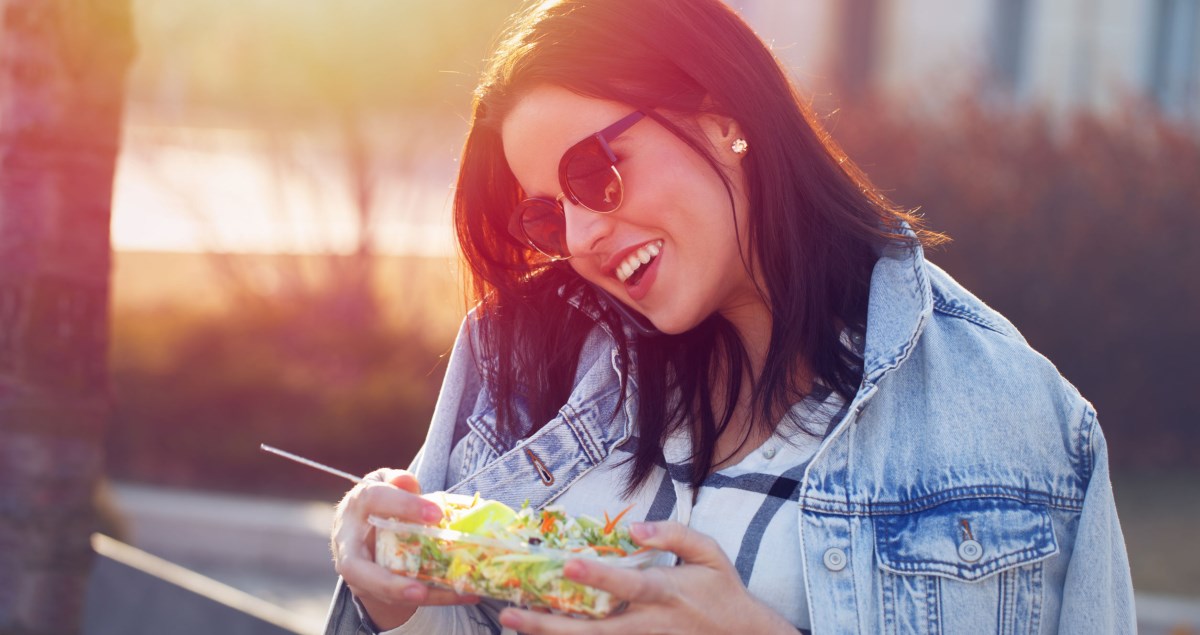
(431, 578)
(547, 522)
(608, 549)
(612, 524)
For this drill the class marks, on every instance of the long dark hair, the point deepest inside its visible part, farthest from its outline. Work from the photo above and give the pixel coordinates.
(815, 223)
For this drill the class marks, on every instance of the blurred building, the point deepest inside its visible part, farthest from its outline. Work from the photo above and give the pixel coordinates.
(1058, 55)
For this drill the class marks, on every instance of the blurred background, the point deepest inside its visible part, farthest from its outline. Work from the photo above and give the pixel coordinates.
(284, 268)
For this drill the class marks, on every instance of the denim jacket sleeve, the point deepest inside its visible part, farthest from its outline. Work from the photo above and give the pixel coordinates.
(1099, 565)
(458, 397)
(344, 619)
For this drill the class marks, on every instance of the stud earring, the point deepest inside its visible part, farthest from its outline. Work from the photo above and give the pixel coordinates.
(740, 146)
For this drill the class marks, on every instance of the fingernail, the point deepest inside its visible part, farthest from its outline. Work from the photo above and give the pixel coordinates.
(642, 531)
(414, 593)
(510, 619)
(575, 570)
(431, 513)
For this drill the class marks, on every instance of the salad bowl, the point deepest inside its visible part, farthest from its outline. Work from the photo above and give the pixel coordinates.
(485, 548)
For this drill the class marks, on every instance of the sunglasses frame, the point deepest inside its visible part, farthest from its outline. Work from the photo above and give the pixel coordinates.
(602, 138)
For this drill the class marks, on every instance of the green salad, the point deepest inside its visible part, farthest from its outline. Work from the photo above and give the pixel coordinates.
(484, 547)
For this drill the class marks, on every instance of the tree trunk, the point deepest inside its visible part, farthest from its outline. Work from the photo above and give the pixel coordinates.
(62, 68)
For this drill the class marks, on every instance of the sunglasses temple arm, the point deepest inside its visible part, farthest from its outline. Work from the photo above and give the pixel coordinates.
(608, 151)
(616, 130)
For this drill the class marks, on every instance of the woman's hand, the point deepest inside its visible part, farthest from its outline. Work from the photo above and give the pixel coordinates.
(703, 595)
(390, 599)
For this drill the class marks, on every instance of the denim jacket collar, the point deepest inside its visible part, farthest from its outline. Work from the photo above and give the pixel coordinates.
(900, 306)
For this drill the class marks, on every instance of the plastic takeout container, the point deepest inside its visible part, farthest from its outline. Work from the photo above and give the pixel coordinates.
(510, 570)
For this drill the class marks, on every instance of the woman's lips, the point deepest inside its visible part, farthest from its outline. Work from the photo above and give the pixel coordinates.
(633, 259)
(638, 290)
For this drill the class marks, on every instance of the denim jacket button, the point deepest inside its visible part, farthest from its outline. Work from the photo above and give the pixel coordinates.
(835, 559)
(970, 551)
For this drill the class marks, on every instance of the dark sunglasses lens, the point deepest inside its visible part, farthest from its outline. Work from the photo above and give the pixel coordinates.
(543, 224)
(593, 179)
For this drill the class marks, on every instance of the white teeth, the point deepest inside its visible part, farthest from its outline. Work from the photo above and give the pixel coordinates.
(638, 258)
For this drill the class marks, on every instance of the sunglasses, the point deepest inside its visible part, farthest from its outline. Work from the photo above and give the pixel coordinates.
(589, 178)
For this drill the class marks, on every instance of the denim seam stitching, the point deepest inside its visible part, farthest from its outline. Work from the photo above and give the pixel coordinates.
(1086, 454)
(836, 508)
(973, 318)
(469, 454)
(1001, 602)
(586, 442)
(517, 451)
(1037, 593)
(484, 432)
(888, 591)
(924, 290)
(567, 485)
(1014, 558)
(934, 605)
(930, 501)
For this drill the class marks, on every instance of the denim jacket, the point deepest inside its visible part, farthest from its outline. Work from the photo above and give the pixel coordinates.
(966, 490)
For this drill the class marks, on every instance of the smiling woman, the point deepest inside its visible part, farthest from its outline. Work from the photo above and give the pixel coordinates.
(692, 304)
(673, 209)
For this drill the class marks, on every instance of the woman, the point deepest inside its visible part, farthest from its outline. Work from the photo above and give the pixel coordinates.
(691, 302)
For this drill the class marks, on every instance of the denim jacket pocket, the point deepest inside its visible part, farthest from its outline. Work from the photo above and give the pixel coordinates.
(962, 563)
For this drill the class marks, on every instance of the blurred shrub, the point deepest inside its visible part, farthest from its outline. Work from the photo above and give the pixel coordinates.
(196, 394)
(1080, 231)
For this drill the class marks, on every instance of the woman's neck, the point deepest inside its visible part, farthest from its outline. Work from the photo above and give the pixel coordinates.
(750, 426)
(752, 321)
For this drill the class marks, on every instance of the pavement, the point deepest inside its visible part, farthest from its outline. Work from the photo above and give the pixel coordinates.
(274, 549)
(132, 592)
(278, 550)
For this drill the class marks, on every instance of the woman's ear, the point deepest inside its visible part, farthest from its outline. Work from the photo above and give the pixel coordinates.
(726, 136)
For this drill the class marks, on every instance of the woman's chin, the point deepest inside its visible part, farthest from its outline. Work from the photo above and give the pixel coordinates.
(671, 325)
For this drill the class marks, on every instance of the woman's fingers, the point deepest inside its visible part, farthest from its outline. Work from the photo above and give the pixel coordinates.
(533, 623)
(403, 479)
(367, 578)
(649, 586)
(653, 585)
(389, 493)
(385, 499)
(429, 596)
(351, 530)
(691, 546)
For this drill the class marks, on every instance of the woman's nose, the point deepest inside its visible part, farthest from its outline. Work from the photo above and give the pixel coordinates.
(585, 228)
